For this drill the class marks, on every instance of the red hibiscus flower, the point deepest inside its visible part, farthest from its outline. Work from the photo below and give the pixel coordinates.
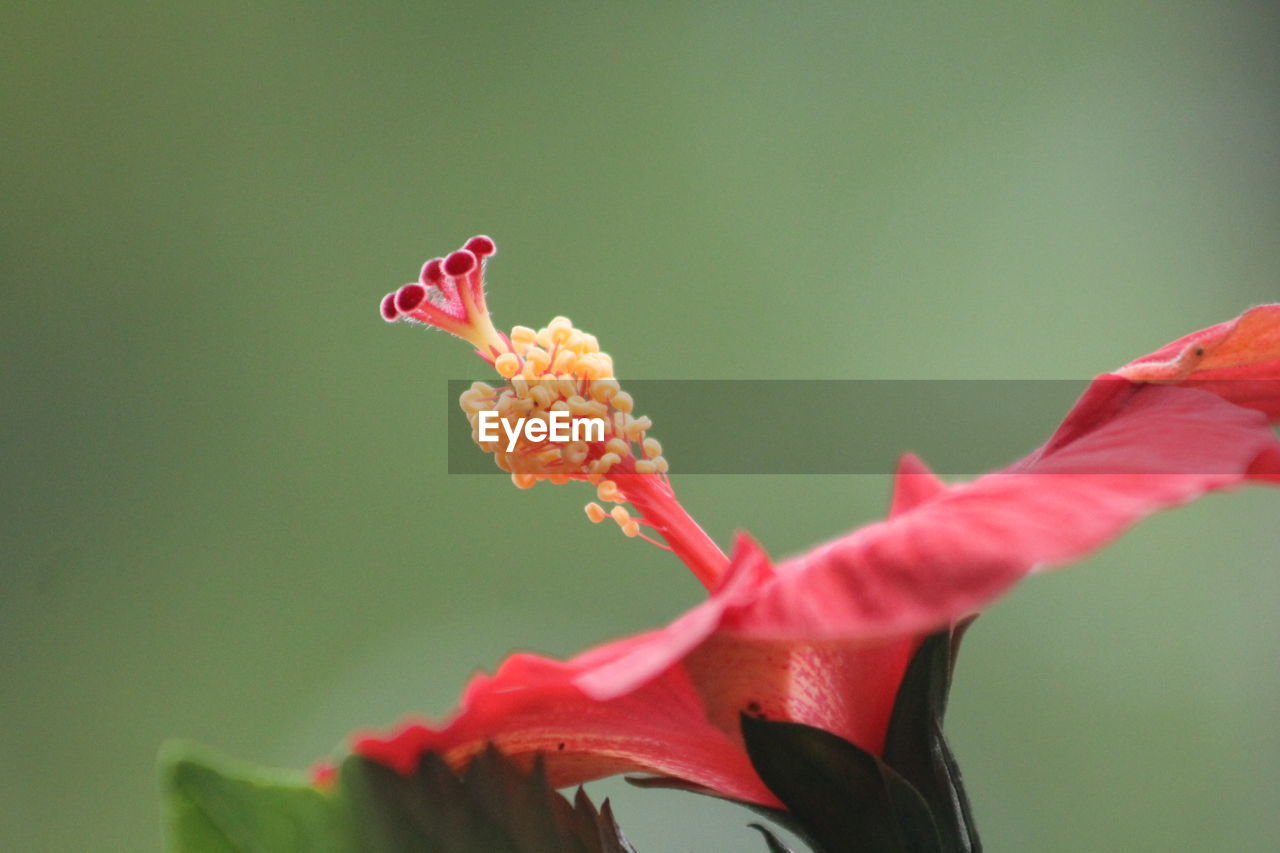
(823, 638)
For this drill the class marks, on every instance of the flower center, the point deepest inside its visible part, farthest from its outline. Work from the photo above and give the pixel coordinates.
(556, 373)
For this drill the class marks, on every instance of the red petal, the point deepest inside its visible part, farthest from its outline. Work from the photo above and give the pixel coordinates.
(1238, 360)
(749, 570)
(1123, 453)
(913, 485)
(532, 706)
(844, 687)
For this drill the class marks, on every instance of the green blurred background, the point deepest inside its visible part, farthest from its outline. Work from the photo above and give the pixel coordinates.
(225, 513)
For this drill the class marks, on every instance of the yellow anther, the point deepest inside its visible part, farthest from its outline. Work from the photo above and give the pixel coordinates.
(589, 343)
(522, 335)
(578, 407)
(484, 388)
(539, 357)
(604, 463)
(566, 361)
(560, 329)
(609, 492)
(543, 338)
(646, 466)
(524, 481)
(660, 462)
(622, 402)
(618, 446)
(542, 396)
(652, 448)
(575, 453)
(521, 387)
(636, 427)
(566, 385)
(604, 390)
(592, 366)
(620, 514)
(595, 512)
(631, 529)
(472, 401)
(509, 406)
(550, 456)
(507, 365)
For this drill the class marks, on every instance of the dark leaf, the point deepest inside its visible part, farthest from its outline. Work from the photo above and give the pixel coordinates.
(673, 784)
(775, 845)
(610, 834)
(916, 748)
(840, 796)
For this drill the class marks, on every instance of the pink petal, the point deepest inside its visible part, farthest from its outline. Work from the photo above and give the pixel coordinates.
(531, 706)
(1124, 452)
(843, 687)
(1238, 360)
(846, 687)
(749, 570)
(913, 484)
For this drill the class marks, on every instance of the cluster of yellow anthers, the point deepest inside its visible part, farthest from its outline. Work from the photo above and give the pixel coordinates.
(559, 368)
(553, 369)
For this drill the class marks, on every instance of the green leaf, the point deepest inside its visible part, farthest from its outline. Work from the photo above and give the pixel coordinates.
(222, 806)
(839, 796)
(915, 745)
(218, 805)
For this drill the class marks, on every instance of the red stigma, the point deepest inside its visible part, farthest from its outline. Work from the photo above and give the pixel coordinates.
(459, 263)
(481, 246)
(390, 312)
(449, 295)
(410, 297)
(432, 272)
